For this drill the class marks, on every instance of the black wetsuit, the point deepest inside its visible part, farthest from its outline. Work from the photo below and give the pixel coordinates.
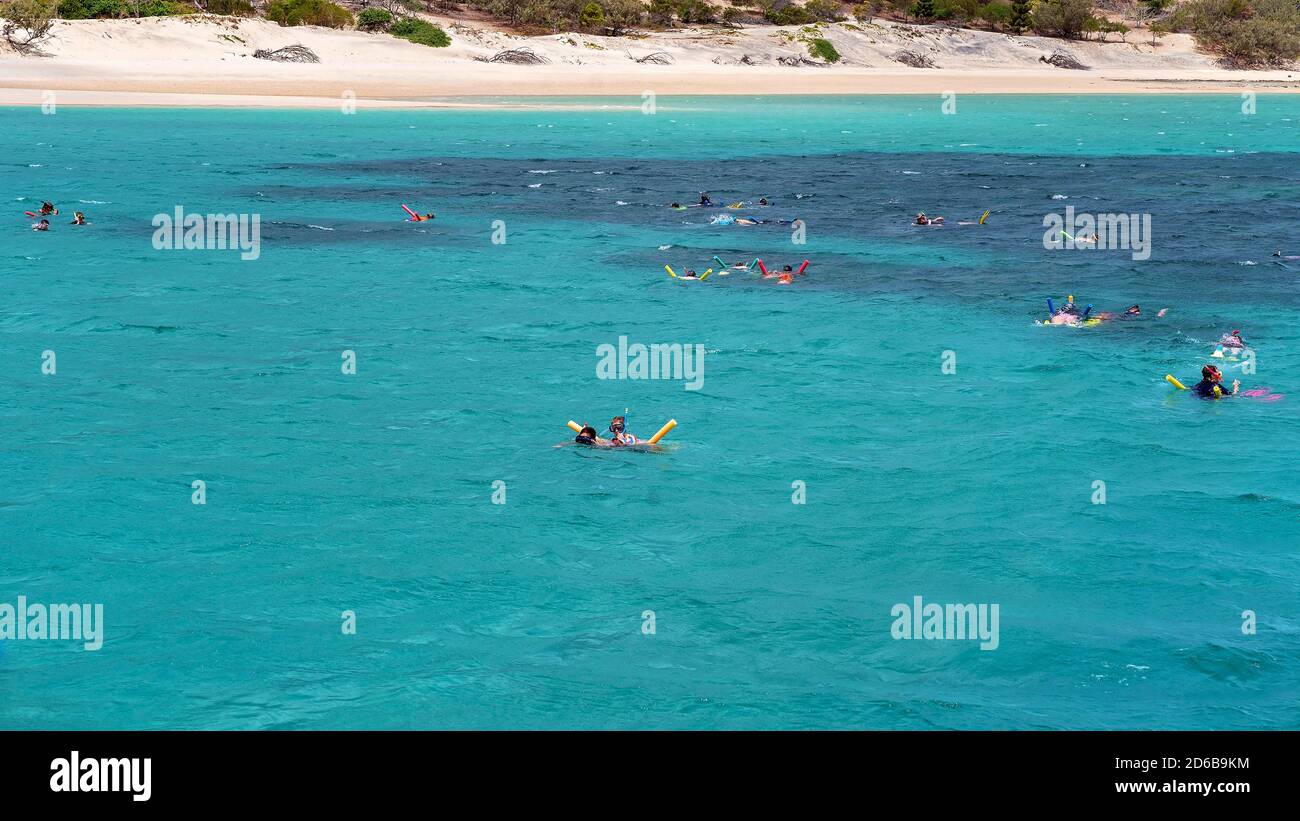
(1205, 389)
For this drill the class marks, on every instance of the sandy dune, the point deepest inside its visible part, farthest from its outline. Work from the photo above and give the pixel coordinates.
(204, 60)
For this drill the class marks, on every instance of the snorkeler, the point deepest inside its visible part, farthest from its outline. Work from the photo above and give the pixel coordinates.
(704, 199)
(414, 216)
(43, 225)
(588, 436)
(78, 218)
(922, 219)
(689, 274)
(676, 205)
(1232, 340)
(47, 208)
(1211, 384)
(618, 427)
(763, 201)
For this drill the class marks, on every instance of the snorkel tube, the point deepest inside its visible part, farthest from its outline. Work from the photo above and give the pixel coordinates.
(1086, 311)
(1051, 309)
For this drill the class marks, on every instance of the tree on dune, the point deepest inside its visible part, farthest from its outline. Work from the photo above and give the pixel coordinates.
(27, 23)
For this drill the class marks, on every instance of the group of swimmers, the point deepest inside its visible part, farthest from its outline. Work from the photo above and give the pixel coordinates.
(783, 277)
(619, 437)
(1211, 385)
(48, 210)
(707, 202)
(922, 219)
(1069, 313)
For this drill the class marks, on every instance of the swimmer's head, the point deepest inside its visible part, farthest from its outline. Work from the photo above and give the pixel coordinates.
(1211, 373)
(617, 424)
(787, 268)
(586, 436)
(1134, 310)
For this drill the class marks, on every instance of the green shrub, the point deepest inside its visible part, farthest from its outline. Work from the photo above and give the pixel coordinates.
(591, 17)
(697, 11)
(309, 13)
(662, 11)
(823, 48)
(230, 8)
(868, 9)
(996, 15)
(374, 20)
(621, 15)
(1062, 18)
(1021, 16)
(95, 9)
(790, 15)
(420, 31)
(1244, 33)
(959, 11)
(828, 10)
(922, 10)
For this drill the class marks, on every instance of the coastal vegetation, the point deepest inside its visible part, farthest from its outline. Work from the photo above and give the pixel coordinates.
(27, 23)
(1241, 33)
(309, 13)
(420, 31)
(1244, 33)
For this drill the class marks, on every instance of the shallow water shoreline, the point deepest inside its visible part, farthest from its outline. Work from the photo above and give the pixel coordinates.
(202, 93)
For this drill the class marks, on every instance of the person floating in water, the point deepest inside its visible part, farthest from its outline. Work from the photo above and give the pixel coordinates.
(78, 218)
(1232, 340)
(1132, 312)
(676, 205)
(43, 225)
(704, 199)
(922, 219)
(588, 436)
(47, 209)
(620, 437)
(1067, 314)
(689, 274)
(1211, 384)
(763, 201)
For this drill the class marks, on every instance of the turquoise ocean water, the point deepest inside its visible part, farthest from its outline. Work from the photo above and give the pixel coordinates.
(372, 492)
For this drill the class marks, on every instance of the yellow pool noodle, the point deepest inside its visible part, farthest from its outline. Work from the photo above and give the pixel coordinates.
(983, 217)
(654, 440)
(705, 275)
(576, 427)
(670, 272)
(1169, 377)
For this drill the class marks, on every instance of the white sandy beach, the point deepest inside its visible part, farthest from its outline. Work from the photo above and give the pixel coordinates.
(207, 61)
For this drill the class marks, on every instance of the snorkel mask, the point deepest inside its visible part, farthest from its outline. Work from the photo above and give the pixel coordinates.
(617, 424)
